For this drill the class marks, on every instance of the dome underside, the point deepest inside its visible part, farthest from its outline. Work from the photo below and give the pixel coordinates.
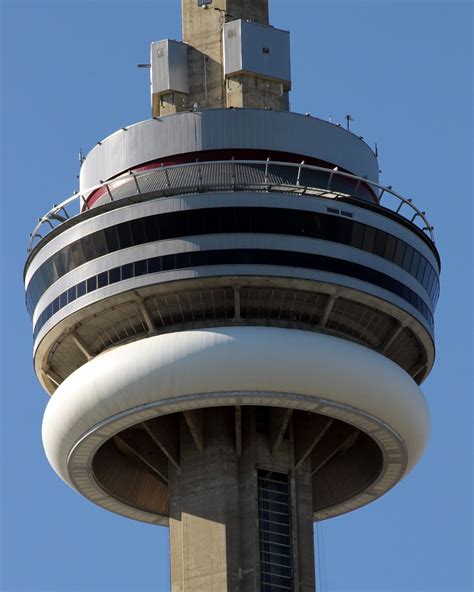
(133, 466)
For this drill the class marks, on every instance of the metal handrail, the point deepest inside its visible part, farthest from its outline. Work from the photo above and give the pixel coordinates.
(59, 214)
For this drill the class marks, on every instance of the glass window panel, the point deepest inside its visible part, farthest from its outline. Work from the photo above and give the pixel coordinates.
(127, 271)
(343, 234)
(154, 265)
(390, 247)
(71, 294)
(114, 275)
(399, 252)
(92, 284)
(315, 225)
(87, 244)
(152, 228)
(138, 230)
(407, 259)
(369, 239)
(167, 262)
(424, 281)
(111, 238)
(181, 225)
(167, 226)
(68, 259)
(102, 280)
(380, 242)
(60, 268)
(63, 300)
(415, 262)
(140, 268)
(329, 227)
(81, 289)
(431, 287)
(124, 235)
(100, 244)
(421, 269)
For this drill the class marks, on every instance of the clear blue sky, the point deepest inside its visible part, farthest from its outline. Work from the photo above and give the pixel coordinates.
(404, 70)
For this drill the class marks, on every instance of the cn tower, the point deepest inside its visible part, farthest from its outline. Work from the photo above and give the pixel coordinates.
(232, 315)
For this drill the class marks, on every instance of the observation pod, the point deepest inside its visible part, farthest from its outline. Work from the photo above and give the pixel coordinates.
(234, 322)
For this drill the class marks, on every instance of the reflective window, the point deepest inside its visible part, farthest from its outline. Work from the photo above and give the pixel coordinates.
(407, 259)
(415, 263)
(369, 239)
(81, 289)
(227, 220)
(102, 279)
(92, 284)
(399, 253)
(235, 257)
(114, 275)
(127, 271)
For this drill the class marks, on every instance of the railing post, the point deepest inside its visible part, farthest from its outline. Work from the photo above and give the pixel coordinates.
(200, 175)
(328, 188)
(266, 173)
(233, 174)
(299, 173)
(402, 201)
(136, 182)
(65, 211)
(109, 192)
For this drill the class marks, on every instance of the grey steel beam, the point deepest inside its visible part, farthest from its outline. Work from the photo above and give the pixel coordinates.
(335, 440)
(309, 430)
(279, 420)
(131, 443)
(164, 431)
(194, 421)
(238, 430)
(80, 344)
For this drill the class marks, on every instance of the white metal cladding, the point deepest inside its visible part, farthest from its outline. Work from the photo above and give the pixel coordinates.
(169, 67)
(258, 49)
(218, 129)
(234, 241)
(234, 199)
(270, 366)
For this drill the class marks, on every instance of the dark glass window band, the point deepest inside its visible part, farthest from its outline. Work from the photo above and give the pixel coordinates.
(233, 257)
(232, 220)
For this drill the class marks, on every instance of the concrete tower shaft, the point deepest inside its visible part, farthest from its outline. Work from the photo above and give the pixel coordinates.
(235, 321)
(230, 57)
(197, 23)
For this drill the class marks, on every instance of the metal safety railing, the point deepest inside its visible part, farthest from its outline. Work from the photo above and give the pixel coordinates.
(231, 175)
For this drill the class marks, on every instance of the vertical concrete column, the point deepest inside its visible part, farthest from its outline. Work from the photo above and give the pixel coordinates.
(204, 510)
(303, 528)
(202, 30)
(250, 564)
(214, 507)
